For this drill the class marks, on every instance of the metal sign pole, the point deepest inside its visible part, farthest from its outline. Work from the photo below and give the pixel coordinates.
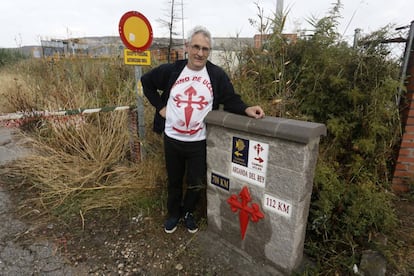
(136, 33)
(140, 109)
(408, 50)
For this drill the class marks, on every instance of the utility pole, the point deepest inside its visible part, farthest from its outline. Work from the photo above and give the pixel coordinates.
(279, 9)
(407, 54)
(357, 35)
(182, 26)
(171, 32)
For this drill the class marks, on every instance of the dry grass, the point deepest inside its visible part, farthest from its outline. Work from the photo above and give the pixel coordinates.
(12, 85)
(80, 163)
(68, 84)
(87, 163)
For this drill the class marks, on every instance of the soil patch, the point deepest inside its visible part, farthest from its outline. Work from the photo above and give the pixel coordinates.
(403, 238)
(121, 243)
(118, 243)
(106, 242)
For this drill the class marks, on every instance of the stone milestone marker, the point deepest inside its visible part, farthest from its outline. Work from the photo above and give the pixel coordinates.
(260, 177)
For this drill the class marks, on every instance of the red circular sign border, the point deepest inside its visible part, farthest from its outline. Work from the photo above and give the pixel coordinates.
(124, 18)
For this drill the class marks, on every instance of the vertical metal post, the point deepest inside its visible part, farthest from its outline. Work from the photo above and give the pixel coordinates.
(182, 27)
(408, 50)
(140, 110)
(357, 35)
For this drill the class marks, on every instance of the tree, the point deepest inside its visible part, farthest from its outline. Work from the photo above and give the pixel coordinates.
(170, 24)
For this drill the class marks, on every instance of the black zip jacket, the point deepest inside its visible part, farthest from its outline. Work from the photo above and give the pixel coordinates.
(157, 84)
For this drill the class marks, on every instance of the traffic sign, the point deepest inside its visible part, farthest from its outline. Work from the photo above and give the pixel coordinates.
(137, 58)
(135, 31)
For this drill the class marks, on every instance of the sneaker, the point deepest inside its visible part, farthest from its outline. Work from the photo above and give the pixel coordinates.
(170, 225)
(190, 223)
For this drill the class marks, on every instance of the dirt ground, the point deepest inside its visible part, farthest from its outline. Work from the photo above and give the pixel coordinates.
(103, 242)
(404, 237)
(120, 244)
(111, 243)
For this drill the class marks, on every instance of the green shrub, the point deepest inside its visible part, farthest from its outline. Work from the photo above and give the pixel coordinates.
(352, 91)
(10, 56)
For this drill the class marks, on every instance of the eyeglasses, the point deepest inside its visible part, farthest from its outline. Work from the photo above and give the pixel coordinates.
(196, 48)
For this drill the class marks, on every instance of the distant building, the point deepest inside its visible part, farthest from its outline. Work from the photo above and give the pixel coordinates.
(225, 49)
(223, 52)
(63, 48)
(261, 39)
(52, 48)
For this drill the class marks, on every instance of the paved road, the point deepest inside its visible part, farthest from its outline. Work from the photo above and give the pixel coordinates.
(18, 258)
(9, 149)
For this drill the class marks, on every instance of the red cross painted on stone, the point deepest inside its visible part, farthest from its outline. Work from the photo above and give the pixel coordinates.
(245, 211)
(188, 110)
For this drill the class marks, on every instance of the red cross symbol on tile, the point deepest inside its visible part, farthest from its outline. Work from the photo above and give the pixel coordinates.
(245, 211)
(258, 149)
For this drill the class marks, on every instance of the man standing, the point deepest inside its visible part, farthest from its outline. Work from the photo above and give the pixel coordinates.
(189, 90)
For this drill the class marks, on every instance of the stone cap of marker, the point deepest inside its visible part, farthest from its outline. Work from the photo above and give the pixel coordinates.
(282, 128)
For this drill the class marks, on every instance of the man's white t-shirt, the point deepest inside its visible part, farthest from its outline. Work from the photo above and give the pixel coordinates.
(191, 98)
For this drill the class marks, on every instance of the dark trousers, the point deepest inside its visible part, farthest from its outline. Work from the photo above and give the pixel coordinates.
(184, 159)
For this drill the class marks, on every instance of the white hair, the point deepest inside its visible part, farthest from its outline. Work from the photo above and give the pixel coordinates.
(197, 30)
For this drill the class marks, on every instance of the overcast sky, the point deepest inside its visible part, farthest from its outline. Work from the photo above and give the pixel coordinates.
(26, 22)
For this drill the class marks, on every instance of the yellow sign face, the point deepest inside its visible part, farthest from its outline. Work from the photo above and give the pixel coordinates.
(137, 58)
(135, 31)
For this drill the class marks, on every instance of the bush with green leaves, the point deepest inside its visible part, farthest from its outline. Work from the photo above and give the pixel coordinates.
(10, 56)
(353, 92)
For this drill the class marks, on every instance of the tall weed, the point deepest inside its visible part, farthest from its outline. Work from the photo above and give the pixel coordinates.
(70, 84)
(83, 162)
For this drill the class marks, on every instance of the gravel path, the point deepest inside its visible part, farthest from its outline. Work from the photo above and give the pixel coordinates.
(18, 257)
